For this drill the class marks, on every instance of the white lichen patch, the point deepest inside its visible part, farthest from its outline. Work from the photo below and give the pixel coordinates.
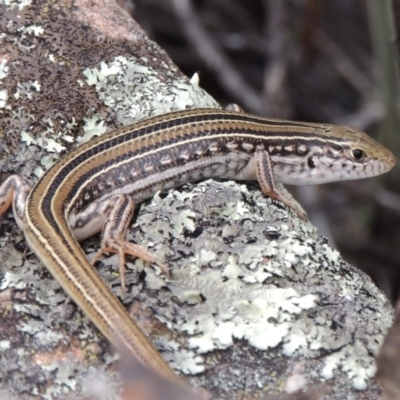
(51, 140)
(46, 161)
(27, 89)
(31, 30)
(188, 362)
(3, 98)
(93, 126)
(248, 278)
(4, 345)
(4, 68)
(125, 85)
(13, 4)
(357, 367)
(46, 336)
(247, 319)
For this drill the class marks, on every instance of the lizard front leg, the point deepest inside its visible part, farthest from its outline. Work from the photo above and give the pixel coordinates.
(265, 178)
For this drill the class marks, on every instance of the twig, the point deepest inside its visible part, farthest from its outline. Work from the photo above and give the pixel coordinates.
(343, 64)
(275, 92)
(210, 52)
(367, 115)
(383, 35)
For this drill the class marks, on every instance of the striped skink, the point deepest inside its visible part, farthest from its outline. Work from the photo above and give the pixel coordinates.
(96, 187)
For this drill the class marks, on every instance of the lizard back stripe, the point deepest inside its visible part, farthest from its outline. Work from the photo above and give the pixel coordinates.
(168, 133)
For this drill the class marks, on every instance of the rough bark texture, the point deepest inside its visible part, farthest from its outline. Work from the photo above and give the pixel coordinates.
(258, 303)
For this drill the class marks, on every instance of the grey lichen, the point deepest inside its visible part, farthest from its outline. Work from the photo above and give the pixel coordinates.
(16, 4)
(247, 273)
(47, 107)
(135, 89)
(61, 83)
(251, 286)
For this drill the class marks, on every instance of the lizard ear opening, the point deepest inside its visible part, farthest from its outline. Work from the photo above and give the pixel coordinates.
(358, 154)
(311, 162)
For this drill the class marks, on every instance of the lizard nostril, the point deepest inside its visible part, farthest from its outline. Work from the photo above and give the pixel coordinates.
(392, 160)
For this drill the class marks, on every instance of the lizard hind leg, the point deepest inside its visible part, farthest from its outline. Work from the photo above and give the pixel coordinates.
(113, 237)
(15, 190)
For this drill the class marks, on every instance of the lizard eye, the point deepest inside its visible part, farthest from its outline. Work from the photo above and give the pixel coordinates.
(358, 154)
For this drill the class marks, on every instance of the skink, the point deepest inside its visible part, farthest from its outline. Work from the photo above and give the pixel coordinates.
(96, 187)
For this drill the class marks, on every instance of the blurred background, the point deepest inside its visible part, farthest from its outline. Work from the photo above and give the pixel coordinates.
(310, 60)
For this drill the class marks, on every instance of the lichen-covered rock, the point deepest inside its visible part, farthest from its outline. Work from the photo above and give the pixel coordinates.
(257, 295)
(72, 71)
(257, 302)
